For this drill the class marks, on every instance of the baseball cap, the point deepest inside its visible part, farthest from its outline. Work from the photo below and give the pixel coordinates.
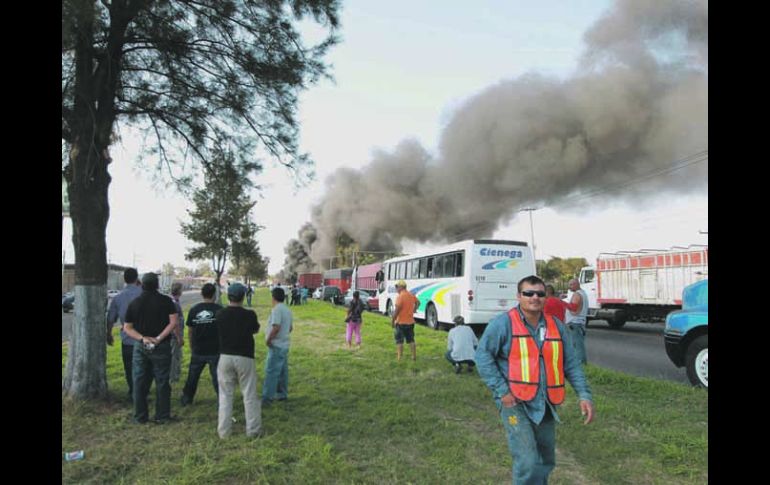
(401, 283)
(236, 291)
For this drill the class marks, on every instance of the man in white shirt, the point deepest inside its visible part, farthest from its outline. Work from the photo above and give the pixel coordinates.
(461, 346)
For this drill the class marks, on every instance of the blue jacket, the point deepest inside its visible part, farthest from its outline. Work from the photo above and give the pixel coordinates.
(492, 364)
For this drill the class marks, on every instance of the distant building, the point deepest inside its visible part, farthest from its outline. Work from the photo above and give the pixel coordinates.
(114, 277)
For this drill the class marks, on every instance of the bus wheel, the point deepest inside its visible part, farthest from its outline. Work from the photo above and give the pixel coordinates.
(431, 318)
(389, 309)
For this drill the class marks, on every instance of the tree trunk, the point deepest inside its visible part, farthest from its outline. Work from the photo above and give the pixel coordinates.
(86, 359)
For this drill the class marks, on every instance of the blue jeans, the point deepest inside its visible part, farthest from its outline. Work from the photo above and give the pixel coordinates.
(147, 365)
(276, 374)
(578, 334)
(532, 446)
(197, 363)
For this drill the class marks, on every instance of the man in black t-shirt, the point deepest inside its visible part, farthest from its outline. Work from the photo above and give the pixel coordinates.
(151, 319)
(237, 326)
(204, 341)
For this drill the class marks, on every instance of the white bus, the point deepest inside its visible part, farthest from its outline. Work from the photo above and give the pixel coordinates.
(475, 279)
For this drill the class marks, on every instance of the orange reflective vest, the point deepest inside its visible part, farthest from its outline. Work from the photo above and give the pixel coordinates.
(524, 361)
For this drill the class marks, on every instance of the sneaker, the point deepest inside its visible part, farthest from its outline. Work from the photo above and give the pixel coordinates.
(458, 368)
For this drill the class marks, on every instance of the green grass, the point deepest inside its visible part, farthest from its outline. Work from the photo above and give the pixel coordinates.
(361, 417)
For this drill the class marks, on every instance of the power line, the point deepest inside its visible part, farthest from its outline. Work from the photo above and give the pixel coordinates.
(698, 157)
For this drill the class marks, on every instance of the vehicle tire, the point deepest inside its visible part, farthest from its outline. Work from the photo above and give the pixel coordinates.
(618, 320)
(389, 309)
(697, 361)
(431, 317)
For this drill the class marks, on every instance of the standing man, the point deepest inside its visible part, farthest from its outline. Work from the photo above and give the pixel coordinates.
(118, 307)
(276, 385)
(461, 346)
(151, 319)
(204, 342)
(178, 341)
(554, 306)
(403, 320)
(576, 322)
(524, 357)
(249, 292)
(237, 327)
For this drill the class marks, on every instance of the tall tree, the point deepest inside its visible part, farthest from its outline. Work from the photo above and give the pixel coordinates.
(220, 223)
(247, 260)
(191, 73)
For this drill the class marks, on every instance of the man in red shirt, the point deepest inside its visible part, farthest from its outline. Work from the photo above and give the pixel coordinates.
(554, 306)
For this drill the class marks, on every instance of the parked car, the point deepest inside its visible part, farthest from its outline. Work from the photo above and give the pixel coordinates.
(112, 293)
(332, 294)
(687, 334)
(67, 302)
(363, 295)
(374, 303)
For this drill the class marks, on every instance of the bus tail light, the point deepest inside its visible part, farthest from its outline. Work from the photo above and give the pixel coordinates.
(470, 295)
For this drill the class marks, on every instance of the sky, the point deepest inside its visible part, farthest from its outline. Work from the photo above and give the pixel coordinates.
(401, 70)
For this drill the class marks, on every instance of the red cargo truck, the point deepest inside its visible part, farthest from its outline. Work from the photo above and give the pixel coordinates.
(310, 280)
(366, 277)
(338, 277)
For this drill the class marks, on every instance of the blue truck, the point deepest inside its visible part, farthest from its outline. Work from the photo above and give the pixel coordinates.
(687, 333)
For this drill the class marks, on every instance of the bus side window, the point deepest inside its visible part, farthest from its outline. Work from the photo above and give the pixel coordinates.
(459, 264)
(423, 268)
(438, 267)
(429, 269)
(415, 269)
(449, 265)
(402, 270)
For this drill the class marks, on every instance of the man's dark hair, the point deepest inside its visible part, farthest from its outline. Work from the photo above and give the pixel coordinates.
(278, 294)
(208, 290)
(150, 282)
(130, 275)
(356, 294)
(532, 280)
(176, 288)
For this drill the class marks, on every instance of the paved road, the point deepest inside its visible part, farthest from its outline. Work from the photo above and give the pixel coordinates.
(191, 296)
(636, 349)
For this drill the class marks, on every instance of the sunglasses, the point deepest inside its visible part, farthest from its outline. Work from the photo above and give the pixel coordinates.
(531, 293)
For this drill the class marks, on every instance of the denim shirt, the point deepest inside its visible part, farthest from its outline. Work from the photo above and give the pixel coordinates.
(492, 364)
(118, 307)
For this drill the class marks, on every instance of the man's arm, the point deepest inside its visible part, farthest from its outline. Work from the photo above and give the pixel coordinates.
(490, 346)
(573, 371)
(576, 302)
(171, 327)
(112, 317)
(396, 311)
(274, 329)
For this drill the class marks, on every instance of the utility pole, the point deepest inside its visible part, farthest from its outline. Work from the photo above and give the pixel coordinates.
(531, 232)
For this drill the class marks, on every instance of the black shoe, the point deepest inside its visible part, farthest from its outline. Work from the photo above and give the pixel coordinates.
(170, 419)
(138, 421)
(470, 368)
(185, 401)
(458, 368)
